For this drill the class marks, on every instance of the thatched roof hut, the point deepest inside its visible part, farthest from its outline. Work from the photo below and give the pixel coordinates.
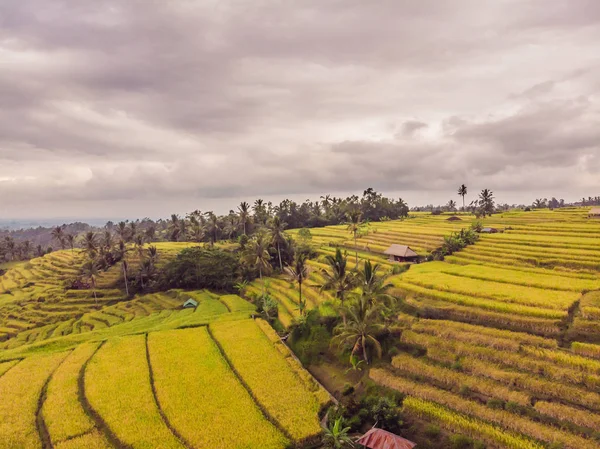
(594, 212)
(401, 253)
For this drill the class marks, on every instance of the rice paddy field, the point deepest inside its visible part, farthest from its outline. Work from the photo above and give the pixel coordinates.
(37, 303)
(186, 378)
(501, 340)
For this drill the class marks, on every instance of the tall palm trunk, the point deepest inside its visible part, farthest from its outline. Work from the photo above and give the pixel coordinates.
(356, 248)
(125, 277)
(463, 203)
(279, 254)
(303, 310)
(261, 280)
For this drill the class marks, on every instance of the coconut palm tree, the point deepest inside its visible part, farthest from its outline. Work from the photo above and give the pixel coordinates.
(71, 241)
(354, 224)
(132, 231)
(58, 234)
(244, 213)
(212, 227)
(139, 245)
(90, 244)
(256, 255)
(374, 286)
(299, 272)
(486, 202)
(122, 230)
(276, 226)
(451, 205)
(174, 228)
(91, 272)
(152, 254)
(150, 233)
(337, 278)
(462, 191)
(360, 328)
(336, 436)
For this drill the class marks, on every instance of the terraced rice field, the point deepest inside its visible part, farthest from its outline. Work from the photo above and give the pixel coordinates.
(138, 383)
(509, 331)
(37, 304)
(509, 327)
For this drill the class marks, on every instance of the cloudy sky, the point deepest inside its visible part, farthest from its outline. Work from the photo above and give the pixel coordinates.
(125, 108)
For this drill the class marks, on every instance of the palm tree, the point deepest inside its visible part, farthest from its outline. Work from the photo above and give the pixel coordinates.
(256, 255)
(122, 230)
(174, 228)
(244, 211)
(354, 224)
(451, 205)
(212, 227)
(150, 233)
(299, 271)
(107, 240)
(139, 245)
(336, 436)
(90, 244)
(486, 202)
(58, 234)
(462, 191)
(91, 271)
(152, 254)
(360, 328)
(71, 241)
(147, 271)
(374, 286)
(337, 277)
(276, 226)
(132, 230)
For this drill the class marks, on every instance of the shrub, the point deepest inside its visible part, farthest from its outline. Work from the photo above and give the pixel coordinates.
(386, 413)
(460, 442)
(432, 431)
(348, 389)
(496, 404)
(199, 268)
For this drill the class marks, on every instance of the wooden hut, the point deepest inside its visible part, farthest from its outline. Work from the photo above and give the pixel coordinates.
(382, 439)
(594, 213)
(190, 304)
(401, 253)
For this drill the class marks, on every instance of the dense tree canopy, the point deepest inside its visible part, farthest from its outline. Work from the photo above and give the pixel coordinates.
(199, 268)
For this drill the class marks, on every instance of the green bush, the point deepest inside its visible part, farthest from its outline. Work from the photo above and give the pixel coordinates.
(496, 404)
(460, 442)
(432, 431)
(199, 268)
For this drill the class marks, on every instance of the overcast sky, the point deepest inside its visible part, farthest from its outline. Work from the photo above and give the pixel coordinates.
(123, 108)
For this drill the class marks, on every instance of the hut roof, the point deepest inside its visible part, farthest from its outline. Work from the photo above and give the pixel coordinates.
(453, 218)
(190, 303)
(400, 251)
(595, 211)
(382, 439)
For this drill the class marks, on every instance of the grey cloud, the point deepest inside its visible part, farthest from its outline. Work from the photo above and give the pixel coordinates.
(145, 102)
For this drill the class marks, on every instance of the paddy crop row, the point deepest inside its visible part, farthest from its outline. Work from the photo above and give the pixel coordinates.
(505, 420)
(234, 386)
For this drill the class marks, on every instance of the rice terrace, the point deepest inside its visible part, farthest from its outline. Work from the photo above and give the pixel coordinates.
(317, 224)
(448, 328)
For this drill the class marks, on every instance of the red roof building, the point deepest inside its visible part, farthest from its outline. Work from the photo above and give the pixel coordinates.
(382, 439)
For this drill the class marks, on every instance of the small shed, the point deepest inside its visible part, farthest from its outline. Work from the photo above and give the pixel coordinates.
(382, 439)
(190, 304)
(489, 230)
(594, 213)
(401, 253)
